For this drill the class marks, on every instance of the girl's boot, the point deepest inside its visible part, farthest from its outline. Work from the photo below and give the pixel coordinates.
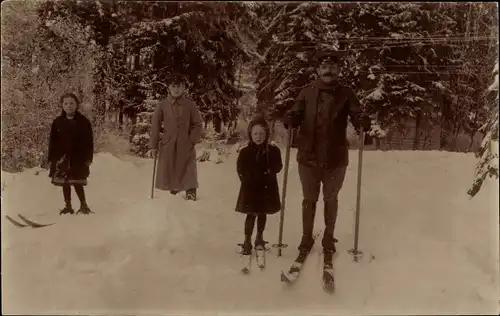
(246, 246)
(68, 209)
(259, 240)
(84, 209)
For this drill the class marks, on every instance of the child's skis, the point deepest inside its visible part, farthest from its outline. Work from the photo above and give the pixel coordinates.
(260, 254)
(245, 260)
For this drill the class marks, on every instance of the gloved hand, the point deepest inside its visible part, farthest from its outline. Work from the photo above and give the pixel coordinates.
(153, 152)
(293, 119)
(365, 123)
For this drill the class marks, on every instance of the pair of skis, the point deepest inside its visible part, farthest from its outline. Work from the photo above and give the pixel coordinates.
(246, 259)
(26, 222)
(328, 280)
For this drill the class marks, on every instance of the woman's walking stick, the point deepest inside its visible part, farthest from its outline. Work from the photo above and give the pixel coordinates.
(280, 244)
(355, 252)
(154, 174)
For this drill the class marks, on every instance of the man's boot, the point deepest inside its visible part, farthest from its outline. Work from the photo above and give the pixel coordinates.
(331, 210)
(308, 214)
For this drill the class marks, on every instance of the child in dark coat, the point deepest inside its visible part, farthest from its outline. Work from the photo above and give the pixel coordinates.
(71, 150)
(257, 166)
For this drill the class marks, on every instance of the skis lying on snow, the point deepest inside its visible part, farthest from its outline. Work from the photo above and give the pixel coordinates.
(26, 221)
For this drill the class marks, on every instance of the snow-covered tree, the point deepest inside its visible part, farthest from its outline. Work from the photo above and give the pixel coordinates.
(291, 41)
(474, 34)
(40, 62)
(487, 166)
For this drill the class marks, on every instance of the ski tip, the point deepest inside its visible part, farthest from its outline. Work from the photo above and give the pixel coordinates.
(13, 221)
(284, 278)
(33, 224)
(329, 288)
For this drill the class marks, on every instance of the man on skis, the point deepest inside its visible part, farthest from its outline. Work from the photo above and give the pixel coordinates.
(321, 111)
(182, 128)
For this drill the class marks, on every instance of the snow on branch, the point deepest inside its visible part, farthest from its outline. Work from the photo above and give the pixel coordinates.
(154, 26)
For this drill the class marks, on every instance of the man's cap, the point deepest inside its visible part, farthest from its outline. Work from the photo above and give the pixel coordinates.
(328, 57)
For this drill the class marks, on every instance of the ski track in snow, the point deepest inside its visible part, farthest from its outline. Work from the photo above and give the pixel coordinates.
(427, 247)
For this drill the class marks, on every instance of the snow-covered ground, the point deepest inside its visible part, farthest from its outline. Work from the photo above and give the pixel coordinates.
(428, 248)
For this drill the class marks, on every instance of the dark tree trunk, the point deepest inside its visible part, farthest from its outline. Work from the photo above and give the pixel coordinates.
(120, 118)
(377, 143)
(456, 132)
(416, 139)
(471, 144)
(217, 124)
(133, 121)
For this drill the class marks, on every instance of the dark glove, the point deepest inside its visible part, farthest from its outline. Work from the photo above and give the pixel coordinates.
(293, 119)
(365, 123)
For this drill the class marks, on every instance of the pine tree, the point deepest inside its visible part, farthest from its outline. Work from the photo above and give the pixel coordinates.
(292, 39)
(465, 106)
(487, 166)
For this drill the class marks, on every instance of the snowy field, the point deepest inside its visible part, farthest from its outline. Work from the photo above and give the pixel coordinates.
(428, 248)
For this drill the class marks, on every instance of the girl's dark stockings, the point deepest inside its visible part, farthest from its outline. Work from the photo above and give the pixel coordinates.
(250, 223)
(80, 192)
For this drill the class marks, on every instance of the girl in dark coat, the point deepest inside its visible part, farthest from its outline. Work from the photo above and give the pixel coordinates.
(71, 150)
(257, 166)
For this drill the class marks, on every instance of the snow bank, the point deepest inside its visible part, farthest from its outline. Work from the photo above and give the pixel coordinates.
(428, 248)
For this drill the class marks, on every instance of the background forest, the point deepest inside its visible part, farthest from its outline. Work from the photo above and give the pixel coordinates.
(428, 68)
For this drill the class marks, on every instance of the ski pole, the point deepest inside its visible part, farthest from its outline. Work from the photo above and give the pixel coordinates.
(357, 254)
(154, 173)
(280, 244)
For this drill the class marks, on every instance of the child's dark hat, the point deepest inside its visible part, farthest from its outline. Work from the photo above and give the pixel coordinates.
(258, 120)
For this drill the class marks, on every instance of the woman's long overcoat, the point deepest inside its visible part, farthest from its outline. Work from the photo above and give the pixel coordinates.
(182, 128)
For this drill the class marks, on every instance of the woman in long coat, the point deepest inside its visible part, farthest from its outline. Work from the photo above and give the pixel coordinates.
(182, 127)
(258, 165)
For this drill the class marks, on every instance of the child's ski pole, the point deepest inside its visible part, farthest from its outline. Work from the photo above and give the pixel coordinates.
(355, 252)
(280, 244)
